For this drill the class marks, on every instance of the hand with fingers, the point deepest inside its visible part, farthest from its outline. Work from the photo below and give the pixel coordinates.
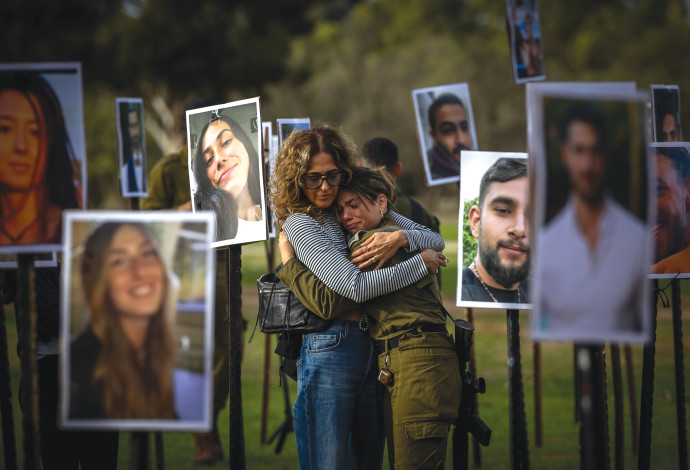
(434, 260)
(379, 248)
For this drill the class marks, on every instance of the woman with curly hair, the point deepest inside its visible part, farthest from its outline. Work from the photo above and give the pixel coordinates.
(226, 170)
(336, 372)
(122, 363)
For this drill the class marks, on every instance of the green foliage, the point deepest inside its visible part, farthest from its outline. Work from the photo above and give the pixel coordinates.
(469, 243)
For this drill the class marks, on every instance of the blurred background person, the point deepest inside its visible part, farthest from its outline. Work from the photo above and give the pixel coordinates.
(169, 189)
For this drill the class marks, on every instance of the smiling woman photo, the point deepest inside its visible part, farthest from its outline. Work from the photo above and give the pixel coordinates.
(227, 172)
(122, 362)
(33, 143)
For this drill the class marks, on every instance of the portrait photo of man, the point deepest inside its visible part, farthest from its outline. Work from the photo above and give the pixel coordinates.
(666, 113)
(132, 147)
(592, 219)
(671, 236)
(445, 128)
(495, 249)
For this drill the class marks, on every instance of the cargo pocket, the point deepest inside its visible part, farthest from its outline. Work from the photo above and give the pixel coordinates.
(427, 429)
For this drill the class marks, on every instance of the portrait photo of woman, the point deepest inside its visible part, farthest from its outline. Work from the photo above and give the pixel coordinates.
(34, 143)
(136, 354)
(226, 170)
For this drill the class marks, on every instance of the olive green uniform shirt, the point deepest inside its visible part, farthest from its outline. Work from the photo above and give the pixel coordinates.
(168, 183)
(411, 306)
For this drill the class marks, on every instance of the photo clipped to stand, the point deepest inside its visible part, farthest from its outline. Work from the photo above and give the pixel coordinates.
(593, 214)
(445, 128)
(494, 244)
(132, 146)
(136, 334)
(41, 106)
(226, 170)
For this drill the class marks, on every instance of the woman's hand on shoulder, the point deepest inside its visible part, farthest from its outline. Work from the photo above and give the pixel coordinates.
(287, 252)
(379, 248)
(434, 259)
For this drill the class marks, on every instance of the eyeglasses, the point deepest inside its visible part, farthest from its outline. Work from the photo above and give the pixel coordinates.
(315, 180)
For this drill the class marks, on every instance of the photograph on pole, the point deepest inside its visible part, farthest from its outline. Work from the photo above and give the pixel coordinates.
(445, 128)
(666, 113)
(226, 170)
(593, 214)
(288, 126)
(493, 242)
(671, 231)
(129, 114)
(137, 321)
(42, 153)
(524, 35)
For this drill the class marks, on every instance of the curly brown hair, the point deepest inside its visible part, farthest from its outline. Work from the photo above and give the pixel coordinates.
(287, 195)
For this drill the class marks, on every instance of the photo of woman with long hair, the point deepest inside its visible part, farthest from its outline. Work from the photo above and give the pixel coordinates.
(122, 362)
(38, 171)
(336, 411)
(227, 171)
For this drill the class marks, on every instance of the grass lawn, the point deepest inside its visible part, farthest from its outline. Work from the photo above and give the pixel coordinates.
(560, 447)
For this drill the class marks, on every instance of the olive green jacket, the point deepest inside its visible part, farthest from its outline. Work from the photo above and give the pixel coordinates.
(168, 183)
(411, 306)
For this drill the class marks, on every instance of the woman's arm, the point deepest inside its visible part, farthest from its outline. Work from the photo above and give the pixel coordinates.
(323, 251)
(377, 249)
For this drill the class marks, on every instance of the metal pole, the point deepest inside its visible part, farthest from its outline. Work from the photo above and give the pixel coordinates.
(538, 435)
(8, 439)
(139, 452)
(680, 375)
(618, 406)
(270, 250)
(519, 453)
(593, 441)
(237, 460)
(158, 445)
(26, 328)
(476, 446)
(632, 399)
(647, 394)
(576, 382)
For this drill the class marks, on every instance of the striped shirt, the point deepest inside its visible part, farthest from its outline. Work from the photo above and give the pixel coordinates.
(323, 249)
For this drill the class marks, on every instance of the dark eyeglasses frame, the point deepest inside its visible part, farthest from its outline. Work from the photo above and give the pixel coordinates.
(325, 177)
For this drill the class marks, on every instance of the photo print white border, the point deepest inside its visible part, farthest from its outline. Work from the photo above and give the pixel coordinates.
(126, 193)
(422, 99)
(296, 124)
(654, 104)
(589, 92)
(73, 248)
(65, 79)
(248, 231)
(473, 166)
(652, 155)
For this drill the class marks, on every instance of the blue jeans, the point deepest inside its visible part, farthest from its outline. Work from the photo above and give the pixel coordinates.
(336, 399)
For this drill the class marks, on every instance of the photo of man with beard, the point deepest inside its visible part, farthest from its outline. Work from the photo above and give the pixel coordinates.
(671, 237)
(498, 273)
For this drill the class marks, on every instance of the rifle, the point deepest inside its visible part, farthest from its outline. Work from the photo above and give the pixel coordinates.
(467, 421)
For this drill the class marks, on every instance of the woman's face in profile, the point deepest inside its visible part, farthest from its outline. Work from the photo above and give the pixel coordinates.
(22, 141)
(226, 158)
(135, 274)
